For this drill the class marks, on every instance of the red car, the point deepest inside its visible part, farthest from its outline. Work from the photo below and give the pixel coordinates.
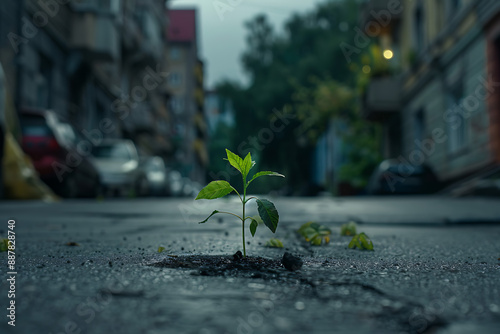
(51, 145)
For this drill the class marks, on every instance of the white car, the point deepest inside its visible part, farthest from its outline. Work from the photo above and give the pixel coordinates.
(118, 164)
(156, 173)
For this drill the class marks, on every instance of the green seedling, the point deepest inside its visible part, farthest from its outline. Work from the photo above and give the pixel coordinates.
(4, 245)
(161, 249)
(274, 243)
(348, 229)
(315, 233)
(361, 241)
(218, 189)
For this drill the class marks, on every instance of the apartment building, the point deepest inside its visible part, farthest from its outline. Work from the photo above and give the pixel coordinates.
(89, 61)
(440, 103)
(186, 86)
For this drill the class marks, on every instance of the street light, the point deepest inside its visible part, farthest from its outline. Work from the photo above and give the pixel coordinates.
(388, 54)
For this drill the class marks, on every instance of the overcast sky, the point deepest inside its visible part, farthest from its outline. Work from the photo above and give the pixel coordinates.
(223, 33)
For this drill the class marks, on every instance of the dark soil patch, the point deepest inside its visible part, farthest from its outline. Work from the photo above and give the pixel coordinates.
(210, 265)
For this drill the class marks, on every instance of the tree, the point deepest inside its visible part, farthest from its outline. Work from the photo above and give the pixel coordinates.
(302, 72)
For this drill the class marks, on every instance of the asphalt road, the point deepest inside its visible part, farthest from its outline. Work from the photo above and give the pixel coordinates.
(435, 268)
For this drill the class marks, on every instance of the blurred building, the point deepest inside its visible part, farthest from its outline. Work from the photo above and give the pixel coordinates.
(186, 86)
(218, 111)
(91, 62)
(440, 103)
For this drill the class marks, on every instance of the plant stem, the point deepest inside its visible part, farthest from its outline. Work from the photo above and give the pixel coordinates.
(243, 230)
(249, 198)
(229, 213)
(243, 217)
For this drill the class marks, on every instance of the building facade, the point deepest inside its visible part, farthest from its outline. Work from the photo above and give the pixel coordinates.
(440, 105)
(186, 86)
(91, 61)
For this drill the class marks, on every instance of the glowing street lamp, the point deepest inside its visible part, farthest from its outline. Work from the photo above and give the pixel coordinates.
(388, 54)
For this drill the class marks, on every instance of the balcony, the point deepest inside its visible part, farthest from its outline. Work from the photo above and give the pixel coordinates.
(96, 34)
(58, 18)
(382, 98)
(140, 119)
(385, 13)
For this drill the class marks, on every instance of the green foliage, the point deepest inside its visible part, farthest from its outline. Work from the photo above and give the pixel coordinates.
(161, 249)
(315, 233)
(361, 241)
(348, 229)
(279, 65)
(311, 81)
(4, 245)
(217, 189)
(275, 243)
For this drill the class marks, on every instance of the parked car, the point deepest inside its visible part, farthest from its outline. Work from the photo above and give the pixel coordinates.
(187, 187)
(118, 164)
(175, 184)
(156, 173)
(51, 145)
(391, 177)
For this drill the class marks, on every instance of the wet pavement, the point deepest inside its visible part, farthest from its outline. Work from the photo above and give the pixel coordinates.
(93, 267)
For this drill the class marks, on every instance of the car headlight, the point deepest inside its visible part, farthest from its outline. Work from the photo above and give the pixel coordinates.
(129, 166)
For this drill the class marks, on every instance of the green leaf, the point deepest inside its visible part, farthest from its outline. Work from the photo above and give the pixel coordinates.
(365, 242)
(354, 242)
(361, 241)
(257, 219)
(316, 241)
(253, 227)
(348, 229)
(243, 166)
(268, 213)
(215, 189)
(315, 233)
(161, 249)
(276, 243)
(213, 213)
(310, 233)
(268, 173)
(4, 245)
(247, 164)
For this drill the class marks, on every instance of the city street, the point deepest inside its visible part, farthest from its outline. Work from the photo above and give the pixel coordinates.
(89, 266)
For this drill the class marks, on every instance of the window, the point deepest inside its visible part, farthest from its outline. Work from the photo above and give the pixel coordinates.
(177, 104)
(419, 27)
(453, 7)
(105, 6)
(44, 83)
(455, 4)
(174, 79)
(175, 53)
(457, 124)
(419, 125)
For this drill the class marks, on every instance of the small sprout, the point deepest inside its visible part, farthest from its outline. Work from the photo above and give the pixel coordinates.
(275, 243)
(315, 233)
(216, 189)
(4, 245)
(161, 249)
(361, 241)
(348, 229)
